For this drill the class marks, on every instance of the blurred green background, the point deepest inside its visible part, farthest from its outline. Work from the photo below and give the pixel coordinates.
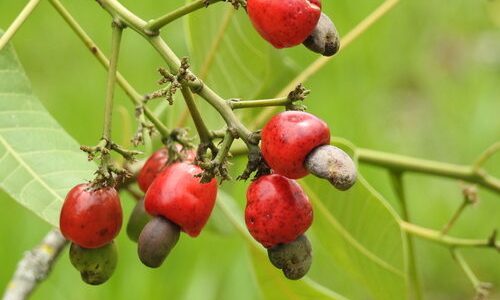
(423, 81)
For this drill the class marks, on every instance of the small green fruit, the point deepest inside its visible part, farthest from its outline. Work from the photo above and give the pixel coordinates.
(95, 265)
(293, 258)
(137, 220)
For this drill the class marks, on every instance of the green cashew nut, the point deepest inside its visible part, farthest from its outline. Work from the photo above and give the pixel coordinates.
(137, 220)
(95, 265)
(293, 258)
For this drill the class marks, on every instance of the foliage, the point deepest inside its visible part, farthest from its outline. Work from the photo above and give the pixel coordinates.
(357, 239)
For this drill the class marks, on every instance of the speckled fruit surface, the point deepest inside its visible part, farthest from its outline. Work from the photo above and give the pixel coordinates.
(277, 211)
(284, 23)
(91, 218)
(288, 138)
(177, 195)
(155, 164)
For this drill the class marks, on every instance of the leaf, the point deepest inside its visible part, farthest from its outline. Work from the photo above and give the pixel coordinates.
(221, 51)
(271, 281)
(357, 233)
(39, 161)
(356, 240)
(235, 61)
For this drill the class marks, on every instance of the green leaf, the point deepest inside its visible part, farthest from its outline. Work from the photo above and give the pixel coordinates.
(357, 234)
(227, 52)
(219, 49)
(39, 161)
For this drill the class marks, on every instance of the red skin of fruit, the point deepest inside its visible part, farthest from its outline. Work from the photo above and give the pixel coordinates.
(91, 218)
(178, 196)
(288, 138)
(278, 211)
(155, 164)
(284, 23)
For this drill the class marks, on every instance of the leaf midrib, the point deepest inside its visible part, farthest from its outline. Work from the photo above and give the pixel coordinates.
(21, 162)
(335, 223)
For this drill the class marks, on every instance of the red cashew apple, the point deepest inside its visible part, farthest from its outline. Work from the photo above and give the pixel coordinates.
(284, 23)
(278, 211)
(177, 195)
(155, 164)
(91, 218)
(288, 138)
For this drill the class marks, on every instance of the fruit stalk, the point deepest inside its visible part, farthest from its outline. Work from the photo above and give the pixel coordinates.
(197, 86)
(157, 24)
(201, 128)
(124, 84)
(110, 87)
(239, 104)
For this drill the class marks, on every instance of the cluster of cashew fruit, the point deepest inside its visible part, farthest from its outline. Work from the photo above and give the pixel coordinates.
(278, 212)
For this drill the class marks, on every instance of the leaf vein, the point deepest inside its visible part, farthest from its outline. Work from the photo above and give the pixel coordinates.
(23, 164)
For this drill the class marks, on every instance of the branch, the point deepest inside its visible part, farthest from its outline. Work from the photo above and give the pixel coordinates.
(37, 263)
(201, 128)
(470, 197)
(116, 9)
(16, 24)
(111, 82)
(124, 84)
(157, 24)
(402, 163)
(449, 241)
(35, 266)
(298, 94)
(487, 154)
(200, 88)
(482, 288)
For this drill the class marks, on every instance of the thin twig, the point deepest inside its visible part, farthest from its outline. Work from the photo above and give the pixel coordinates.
(157, 24)
(209, 59)
(449, 241)
(16, 24)
(487, 154)
(101, 57)
(482, 288)
(469, 197)
(35, 266)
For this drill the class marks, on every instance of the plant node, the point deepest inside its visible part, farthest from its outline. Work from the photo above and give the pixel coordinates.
(298, 94)
(107, 168)
(143, 128)
(255, 164)
(470, 194)
(218, 165)
(238, 3)
(178, 136)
